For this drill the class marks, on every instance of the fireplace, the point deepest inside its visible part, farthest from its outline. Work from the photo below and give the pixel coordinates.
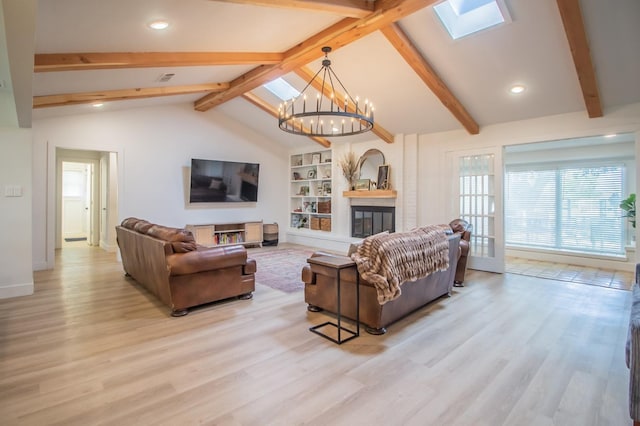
(369, 220)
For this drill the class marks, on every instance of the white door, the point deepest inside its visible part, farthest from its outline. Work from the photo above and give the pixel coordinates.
(75, 201)
(477, 177)
(104, 175)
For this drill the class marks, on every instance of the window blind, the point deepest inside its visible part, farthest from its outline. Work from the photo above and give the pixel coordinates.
(565, 207)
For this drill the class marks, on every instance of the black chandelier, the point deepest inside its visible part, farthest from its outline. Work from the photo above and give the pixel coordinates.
(334, 114)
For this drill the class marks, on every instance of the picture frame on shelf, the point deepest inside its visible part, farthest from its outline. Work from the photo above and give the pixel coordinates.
(311, 174)
(315, 158)
(326, 188)
(383, 177)
(363, 185)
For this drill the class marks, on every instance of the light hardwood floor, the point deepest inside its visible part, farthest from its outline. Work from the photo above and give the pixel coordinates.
(90, 348)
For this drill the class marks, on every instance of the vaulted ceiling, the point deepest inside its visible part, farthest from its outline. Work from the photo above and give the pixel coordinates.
(571, 55)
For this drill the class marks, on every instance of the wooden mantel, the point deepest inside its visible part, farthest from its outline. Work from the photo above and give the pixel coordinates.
(377, 193)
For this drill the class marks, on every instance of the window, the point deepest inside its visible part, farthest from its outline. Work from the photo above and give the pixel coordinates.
(565, 207)
(282, 89)
(464, 17)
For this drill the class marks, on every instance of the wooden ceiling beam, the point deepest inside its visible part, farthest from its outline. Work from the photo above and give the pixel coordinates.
(571, 15)
(414, 58)
(45, 62)
(350, 8)
(124, 94)
(270, 109)
(340, 34)
(307, 75)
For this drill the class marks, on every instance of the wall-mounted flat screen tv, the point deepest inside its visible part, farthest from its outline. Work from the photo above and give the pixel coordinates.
(215, 181)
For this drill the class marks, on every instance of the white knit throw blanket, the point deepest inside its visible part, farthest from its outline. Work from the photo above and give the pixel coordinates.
(388, 260)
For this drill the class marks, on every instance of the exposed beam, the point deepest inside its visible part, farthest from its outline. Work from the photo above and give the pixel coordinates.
(576, 35)
(350, 8)
(124, 94)
(414, 58)
(306, 74)
(336, 36)
(267, 107)
(95, 61)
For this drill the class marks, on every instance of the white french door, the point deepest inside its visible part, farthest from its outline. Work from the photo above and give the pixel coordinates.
(477, 190)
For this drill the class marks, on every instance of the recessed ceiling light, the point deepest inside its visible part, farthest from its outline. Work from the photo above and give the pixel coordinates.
(158, 25)
(97, 104)
(516, 89)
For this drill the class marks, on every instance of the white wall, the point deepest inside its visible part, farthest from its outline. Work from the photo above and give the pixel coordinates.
(16, 278)
(154, 147)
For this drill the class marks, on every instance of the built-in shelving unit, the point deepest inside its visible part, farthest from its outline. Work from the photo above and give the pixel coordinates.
(225, 234)
(311, 191)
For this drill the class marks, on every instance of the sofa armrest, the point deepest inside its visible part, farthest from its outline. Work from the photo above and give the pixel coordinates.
(308, 277)
(206, 259)
(250, 267)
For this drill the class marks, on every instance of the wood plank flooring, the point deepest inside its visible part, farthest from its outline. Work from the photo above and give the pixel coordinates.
(92, 348)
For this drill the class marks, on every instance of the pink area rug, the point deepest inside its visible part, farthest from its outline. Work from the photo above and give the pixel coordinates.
(281, 269)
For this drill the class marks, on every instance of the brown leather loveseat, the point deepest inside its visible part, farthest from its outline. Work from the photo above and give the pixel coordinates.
(463, 228)
(180, 273)
(320, 291)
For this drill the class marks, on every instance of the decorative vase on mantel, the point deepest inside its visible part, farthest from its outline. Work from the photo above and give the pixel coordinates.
(349, 166)
(352, 184)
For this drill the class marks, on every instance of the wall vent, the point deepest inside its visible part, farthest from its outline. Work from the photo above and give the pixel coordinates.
(165, 77)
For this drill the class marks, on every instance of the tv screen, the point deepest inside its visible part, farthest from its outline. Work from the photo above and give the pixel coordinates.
(215, 181)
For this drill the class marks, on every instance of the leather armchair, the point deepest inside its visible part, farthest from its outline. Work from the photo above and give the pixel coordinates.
(464, 228)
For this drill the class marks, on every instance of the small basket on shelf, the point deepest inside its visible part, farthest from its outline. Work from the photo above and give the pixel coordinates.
(324, 206)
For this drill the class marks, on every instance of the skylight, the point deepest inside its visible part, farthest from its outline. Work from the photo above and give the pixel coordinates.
(282, 89)
(464, 17)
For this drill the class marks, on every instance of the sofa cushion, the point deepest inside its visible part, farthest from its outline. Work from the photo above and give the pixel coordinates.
(130, 222)
(171, 234)
(142, 226)
(206, 259)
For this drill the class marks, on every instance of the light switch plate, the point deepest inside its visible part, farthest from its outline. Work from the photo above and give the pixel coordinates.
(13, 191)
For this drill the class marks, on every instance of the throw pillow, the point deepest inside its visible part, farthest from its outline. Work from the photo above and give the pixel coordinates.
(353, 247)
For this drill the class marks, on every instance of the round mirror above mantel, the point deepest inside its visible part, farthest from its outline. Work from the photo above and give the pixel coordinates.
(368, 165)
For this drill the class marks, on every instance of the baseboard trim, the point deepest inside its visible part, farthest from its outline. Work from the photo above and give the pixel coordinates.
(16, 290)
(108, 247)
(41, 266)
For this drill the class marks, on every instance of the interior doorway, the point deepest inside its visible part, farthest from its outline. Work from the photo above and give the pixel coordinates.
(86, 199)
(76, 201)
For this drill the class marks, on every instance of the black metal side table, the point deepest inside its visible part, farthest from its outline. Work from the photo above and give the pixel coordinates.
(338, 264)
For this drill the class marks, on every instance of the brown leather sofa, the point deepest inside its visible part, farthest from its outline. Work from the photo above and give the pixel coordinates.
(320, 292)
(181, 274)
(463, 228)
